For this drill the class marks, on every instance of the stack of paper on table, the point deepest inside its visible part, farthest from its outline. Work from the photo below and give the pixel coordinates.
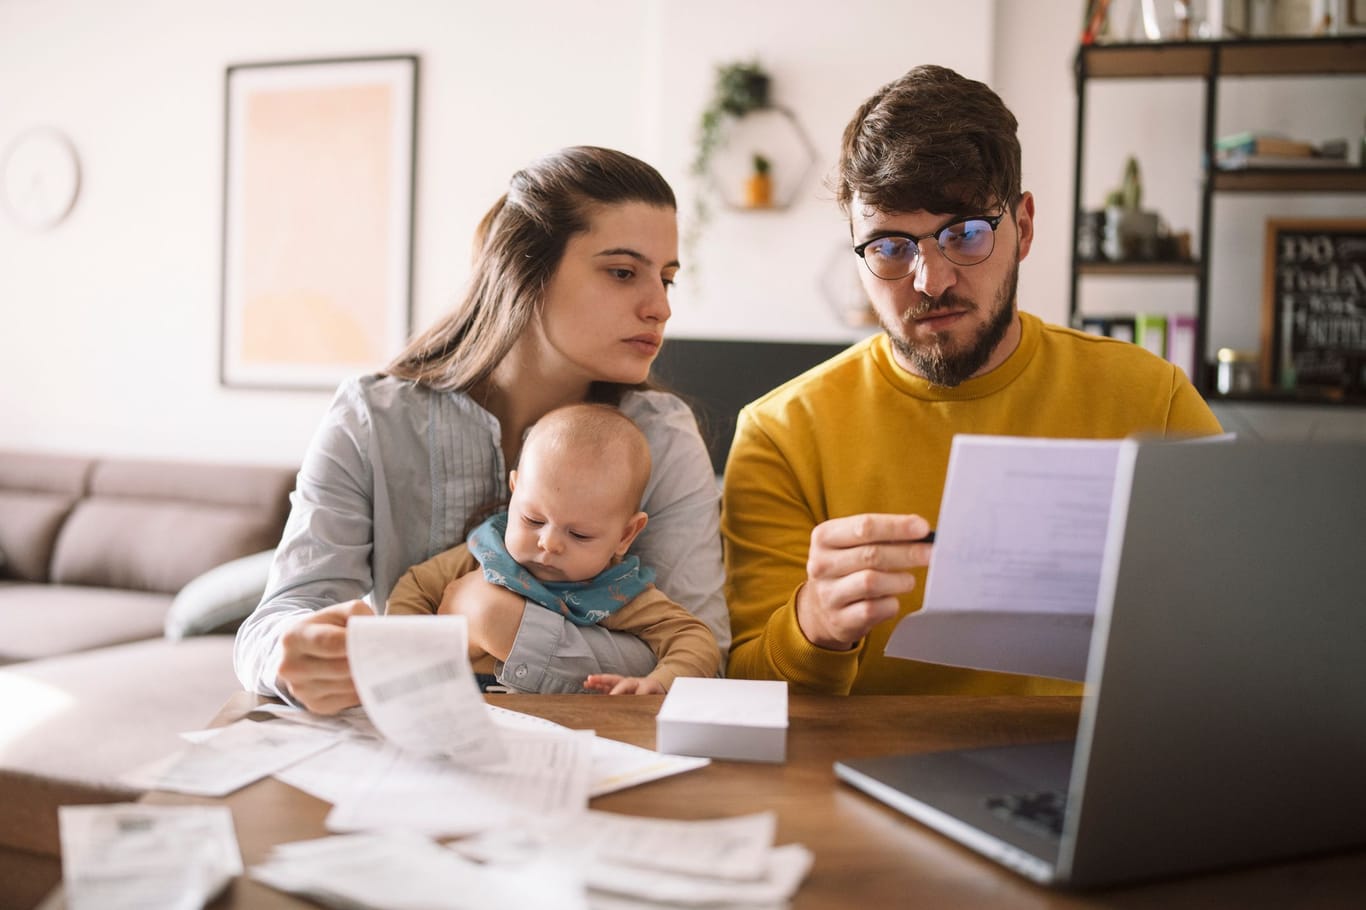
(427, 757)
(426, 753)
(595, 859)
(742, 719)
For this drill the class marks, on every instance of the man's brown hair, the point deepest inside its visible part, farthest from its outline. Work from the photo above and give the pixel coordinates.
(931, 141)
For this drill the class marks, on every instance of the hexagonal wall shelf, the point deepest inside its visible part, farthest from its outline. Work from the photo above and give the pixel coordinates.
(776, 135)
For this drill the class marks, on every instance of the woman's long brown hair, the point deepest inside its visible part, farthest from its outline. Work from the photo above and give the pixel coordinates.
(518, 245)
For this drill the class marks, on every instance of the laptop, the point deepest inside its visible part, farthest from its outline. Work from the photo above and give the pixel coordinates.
(1224, 720)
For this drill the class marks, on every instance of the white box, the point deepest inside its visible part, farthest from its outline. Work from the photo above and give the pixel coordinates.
(742, 719)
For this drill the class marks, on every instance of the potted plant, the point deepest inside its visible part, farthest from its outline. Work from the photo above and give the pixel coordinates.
(1130, 232)
(759, 186)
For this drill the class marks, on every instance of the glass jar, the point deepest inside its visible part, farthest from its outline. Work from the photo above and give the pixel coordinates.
(1237, 371)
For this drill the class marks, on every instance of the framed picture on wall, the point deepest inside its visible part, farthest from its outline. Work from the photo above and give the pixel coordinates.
(317, 219)
(1314, 306)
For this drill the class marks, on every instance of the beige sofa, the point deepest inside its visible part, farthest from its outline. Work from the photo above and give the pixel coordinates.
(118, 580)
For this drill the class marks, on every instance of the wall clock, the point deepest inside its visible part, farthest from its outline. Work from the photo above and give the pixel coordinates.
(39, 178)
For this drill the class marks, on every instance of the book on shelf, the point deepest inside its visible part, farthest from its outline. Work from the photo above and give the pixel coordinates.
(1181, 343)
(1150, 331)
(1121, 327)
(1170, 337)
(1238, 162)
(1253, 143)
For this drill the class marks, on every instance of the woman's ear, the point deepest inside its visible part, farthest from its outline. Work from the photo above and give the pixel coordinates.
(634, 526)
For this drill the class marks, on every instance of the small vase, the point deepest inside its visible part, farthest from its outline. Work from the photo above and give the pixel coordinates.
(759, 191)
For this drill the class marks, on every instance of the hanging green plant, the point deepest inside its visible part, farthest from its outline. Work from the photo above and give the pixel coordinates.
(739, 89)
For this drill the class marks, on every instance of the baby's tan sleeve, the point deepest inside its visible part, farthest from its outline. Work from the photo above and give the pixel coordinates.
(421, 587)
(682, 643)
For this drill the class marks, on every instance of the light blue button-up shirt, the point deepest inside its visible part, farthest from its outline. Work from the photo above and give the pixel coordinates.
(394, 474)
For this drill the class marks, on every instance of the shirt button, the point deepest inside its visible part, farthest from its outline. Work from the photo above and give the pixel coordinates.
(520, 672)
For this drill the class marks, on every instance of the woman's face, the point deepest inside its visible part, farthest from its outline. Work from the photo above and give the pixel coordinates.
(604, 311)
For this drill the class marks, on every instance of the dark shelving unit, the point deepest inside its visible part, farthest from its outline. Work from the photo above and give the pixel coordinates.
(1209, 62)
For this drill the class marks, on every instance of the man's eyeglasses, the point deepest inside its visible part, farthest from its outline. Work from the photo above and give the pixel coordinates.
(965, 241)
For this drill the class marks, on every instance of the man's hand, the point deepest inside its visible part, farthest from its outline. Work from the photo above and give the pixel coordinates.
(855, 570)
(314, 669)
(612, 684)
(493, 613)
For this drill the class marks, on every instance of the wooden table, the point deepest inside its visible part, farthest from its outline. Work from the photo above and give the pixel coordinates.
(867, 855)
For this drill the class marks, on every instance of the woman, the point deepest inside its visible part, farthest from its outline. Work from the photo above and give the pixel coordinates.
(567, 302)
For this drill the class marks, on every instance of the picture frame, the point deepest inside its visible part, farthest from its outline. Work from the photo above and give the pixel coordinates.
(1348, 17)
(1314, 306)
(318, 191)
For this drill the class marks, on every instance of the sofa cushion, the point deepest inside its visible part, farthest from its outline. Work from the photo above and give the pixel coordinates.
(73, 724)
(154, 526)
(147, 545)
(221, 598)
(29, 522)
(36, 494)
(44, 473)
(39, 621)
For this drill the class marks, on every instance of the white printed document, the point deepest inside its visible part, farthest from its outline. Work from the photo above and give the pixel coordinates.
(632, 862)
(545, 774)
(414, 679)
(226, 759)
(1015, 573)
(735, 848)
(127, 856)
(399, 870)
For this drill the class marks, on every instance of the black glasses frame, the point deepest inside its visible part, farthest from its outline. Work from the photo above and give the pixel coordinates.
(991, 220)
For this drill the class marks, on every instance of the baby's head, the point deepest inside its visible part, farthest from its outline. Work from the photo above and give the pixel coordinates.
(575, 506)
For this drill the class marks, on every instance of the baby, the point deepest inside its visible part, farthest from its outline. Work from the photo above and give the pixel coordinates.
(562, 543)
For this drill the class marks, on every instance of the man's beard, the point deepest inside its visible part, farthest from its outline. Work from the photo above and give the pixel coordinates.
(949, 367)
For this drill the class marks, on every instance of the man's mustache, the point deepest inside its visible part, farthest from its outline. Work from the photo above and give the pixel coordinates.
(929, 305)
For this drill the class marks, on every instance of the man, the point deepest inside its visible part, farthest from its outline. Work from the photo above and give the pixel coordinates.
(835, 476)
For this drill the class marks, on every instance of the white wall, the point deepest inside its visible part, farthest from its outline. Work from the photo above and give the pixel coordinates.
(109, 323)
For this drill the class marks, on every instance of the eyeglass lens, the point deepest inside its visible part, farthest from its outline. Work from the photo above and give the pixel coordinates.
(962, 243)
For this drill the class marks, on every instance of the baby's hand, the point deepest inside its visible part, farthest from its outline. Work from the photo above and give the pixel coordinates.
(612, 684)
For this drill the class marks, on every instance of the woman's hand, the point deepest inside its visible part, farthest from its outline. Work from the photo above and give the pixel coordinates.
(314, 669)
(856, 569)
(612, 684)
(492, 612)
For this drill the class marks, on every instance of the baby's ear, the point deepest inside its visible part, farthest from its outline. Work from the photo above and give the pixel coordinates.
(634, 526)
(512, 480)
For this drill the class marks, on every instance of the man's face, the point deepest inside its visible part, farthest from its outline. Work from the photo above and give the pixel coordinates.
(948, 323)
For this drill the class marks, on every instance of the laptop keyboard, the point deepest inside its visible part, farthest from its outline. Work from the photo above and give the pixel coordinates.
(1040, 812)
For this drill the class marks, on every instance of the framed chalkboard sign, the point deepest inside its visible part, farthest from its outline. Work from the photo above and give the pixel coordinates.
(1314, 305)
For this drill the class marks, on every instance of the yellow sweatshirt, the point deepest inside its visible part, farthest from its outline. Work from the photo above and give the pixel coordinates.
(860, 434)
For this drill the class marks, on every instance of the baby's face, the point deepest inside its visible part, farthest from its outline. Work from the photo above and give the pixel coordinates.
(568, 522)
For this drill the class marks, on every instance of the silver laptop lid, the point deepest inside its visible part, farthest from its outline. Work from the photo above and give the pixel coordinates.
(1225, 715)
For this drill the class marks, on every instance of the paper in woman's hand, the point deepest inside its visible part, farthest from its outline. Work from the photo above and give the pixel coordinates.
(414, 679)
